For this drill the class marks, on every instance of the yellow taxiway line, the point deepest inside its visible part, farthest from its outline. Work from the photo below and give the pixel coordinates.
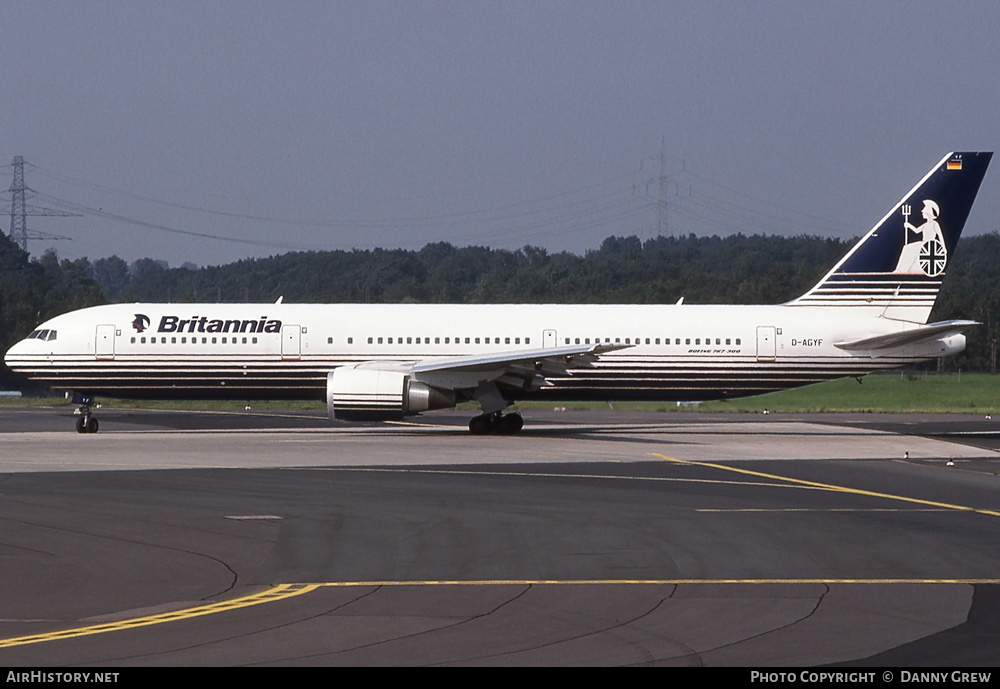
(830, 486)
(277, 593)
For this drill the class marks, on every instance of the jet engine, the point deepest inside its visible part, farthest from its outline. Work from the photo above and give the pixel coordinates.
(364, 394)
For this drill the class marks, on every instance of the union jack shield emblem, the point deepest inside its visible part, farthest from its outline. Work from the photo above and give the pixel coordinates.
(933, 258)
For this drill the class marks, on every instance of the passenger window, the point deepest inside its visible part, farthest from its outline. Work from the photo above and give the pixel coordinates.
(350, 340)
(737, 340)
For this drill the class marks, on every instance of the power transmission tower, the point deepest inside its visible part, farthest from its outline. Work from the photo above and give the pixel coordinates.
(19, 210)
(668, 185)
(661, 201)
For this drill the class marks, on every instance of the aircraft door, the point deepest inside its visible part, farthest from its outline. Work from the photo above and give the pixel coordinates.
(291, 341)
(766, 347)
(104, 342)
(549, 338)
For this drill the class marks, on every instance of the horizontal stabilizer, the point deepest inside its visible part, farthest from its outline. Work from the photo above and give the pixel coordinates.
(924, 333)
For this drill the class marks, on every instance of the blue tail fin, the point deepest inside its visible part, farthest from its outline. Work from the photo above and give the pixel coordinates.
(896, 270)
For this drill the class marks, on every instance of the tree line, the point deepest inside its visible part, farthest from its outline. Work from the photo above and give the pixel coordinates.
(736, 269)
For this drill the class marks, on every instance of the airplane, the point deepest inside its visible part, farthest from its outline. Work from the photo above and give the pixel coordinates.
(389, 361)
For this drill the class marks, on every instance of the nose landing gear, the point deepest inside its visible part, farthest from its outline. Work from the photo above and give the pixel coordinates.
(87, 423)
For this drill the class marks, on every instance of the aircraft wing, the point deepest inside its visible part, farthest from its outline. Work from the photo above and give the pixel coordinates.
(923, 333)
(552, 360)
(522, 368)
(387, 389)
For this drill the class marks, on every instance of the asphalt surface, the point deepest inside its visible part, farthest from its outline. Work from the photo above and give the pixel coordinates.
(174, 538)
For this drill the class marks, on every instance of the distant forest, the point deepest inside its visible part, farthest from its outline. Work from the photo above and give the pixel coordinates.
(736, 269)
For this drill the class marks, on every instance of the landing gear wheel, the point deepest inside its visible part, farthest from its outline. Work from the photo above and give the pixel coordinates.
(480, 425)
(510, 424)
(87, 424)
(506, 424)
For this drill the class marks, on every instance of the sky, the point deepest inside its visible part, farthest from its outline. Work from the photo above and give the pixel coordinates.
(209, 132)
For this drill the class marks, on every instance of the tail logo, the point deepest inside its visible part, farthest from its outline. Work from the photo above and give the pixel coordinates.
(924, 251)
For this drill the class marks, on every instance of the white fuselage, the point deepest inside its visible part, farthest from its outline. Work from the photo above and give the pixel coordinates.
(254, 351)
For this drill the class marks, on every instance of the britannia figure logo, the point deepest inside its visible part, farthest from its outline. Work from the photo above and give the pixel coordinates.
(140, 323)
(924, 251)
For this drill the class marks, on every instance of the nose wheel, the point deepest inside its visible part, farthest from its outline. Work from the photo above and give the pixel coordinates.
(87, 423)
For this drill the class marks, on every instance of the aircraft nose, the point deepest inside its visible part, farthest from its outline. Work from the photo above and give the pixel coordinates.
(12, 354)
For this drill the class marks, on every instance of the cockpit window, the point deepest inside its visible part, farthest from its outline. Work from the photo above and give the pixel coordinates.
(51, 336)
(34, 334)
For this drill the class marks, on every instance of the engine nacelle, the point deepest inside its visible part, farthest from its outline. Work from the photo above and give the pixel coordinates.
(363, 394)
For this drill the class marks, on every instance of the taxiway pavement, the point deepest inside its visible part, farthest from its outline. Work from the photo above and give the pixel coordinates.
(591, 538)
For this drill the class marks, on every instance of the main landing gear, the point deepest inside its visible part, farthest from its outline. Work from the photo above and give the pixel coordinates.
(496, 423)
(87, 423)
